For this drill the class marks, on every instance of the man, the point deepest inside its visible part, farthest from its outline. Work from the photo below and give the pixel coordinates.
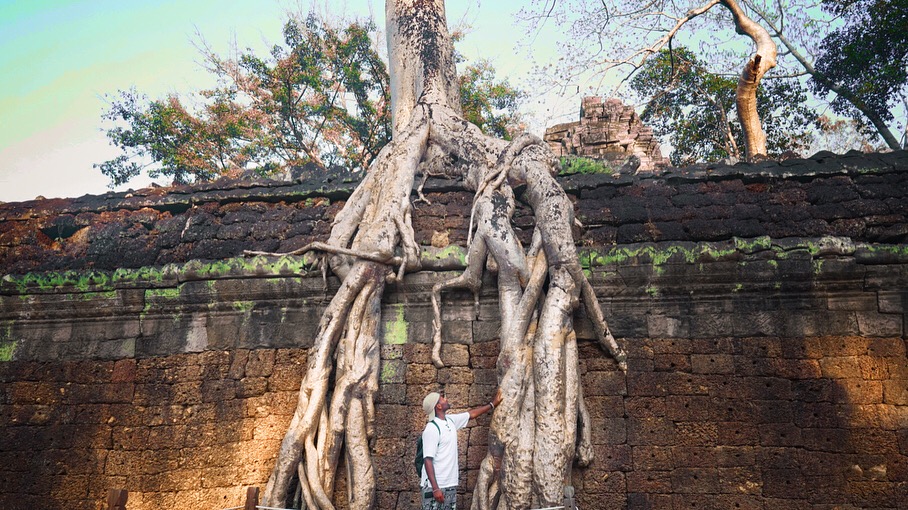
(439, 442)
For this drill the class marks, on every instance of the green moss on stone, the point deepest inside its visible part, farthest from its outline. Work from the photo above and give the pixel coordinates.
(162, 293)
(581, 165)
(893, 249)
(7, 349)
(49, 281)
(90, 296)
(753, 245)
(396, 328)
(142, 274)
(243, 306)
(388, 373)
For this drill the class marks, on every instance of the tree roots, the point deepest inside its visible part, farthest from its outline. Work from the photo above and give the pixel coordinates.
(542, 424)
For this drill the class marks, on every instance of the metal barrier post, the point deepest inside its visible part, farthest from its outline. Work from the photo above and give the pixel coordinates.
(252, 498)
(569, 497)
(116, 499)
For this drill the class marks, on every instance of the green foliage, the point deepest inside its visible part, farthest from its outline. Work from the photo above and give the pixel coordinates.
(868, 55)
(695, 109)
(489, 104)
(322, 97)
(164, 132)
(579, 165)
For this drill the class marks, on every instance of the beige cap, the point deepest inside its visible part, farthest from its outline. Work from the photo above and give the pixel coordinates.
(428, 404)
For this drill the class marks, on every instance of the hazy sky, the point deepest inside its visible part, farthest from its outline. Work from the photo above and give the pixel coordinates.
(58, 59)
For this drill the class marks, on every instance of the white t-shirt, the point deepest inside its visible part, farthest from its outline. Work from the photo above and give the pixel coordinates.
(443, 449)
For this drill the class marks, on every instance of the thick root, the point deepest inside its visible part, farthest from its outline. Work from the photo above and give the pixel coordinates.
(542, 424)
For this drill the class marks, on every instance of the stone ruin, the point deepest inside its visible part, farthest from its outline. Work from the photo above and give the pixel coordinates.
(764, 307)
(609, 132)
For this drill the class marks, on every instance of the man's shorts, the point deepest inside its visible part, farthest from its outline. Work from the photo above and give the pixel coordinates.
(429, 503)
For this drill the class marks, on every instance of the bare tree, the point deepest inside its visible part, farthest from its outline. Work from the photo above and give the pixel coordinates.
(775, 21)
(655, 24)
(542, 424)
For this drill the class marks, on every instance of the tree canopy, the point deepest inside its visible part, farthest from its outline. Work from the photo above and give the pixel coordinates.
(694, 109)
(607, 43)
(868, 55)
(322, 97)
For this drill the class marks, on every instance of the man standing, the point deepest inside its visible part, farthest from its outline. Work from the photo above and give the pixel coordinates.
(439, 441)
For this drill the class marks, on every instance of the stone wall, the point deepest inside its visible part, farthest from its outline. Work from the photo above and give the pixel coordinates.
(764, 310)
(610, 132)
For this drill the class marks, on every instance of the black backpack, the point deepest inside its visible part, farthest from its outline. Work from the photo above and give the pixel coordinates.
(418, 461)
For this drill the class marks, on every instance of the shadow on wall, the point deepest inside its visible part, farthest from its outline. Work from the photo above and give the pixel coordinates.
(180, 431)
(748, 423)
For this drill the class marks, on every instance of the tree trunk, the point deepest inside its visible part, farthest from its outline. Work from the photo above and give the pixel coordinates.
(763, 60)
(542, 424)
(852, 98)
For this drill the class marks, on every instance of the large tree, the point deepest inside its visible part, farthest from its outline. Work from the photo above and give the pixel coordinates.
(542, 425)
(853, 52)
(322, 97)
(859, 56)
(695, 110)
(622, 35)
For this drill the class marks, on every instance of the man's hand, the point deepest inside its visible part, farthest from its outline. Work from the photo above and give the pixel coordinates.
(497, 399)
(439, 495)
(485, 408)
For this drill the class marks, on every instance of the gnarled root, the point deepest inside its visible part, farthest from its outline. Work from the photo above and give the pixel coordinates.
(363, 241)
(311, 443)
(542, 423)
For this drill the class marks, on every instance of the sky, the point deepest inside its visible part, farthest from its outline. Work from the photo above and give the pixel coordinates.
(59, 59)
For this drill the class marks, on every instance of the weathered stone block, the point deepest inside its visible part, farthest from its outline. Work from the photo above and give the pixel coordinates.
(840, 367)
(457, 375)
(418, 373)
(736, 434)
(694, 480)
(886, 347)
(780, 435)
(454, 355)
(654, 490)
(757, 324)
(485, 330)
(696, 433)
(858, 391)
(712, 364)
(710, 326)
(459, 332)
(260, 363)
(652, 458)
(862, 302)
(880, 325)
(891, 302)
(605, 383)
(609, 431)
(650, 431)
(667, 327)
(895, 391)
(835, 440)
(392, 371)
(687, 407)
